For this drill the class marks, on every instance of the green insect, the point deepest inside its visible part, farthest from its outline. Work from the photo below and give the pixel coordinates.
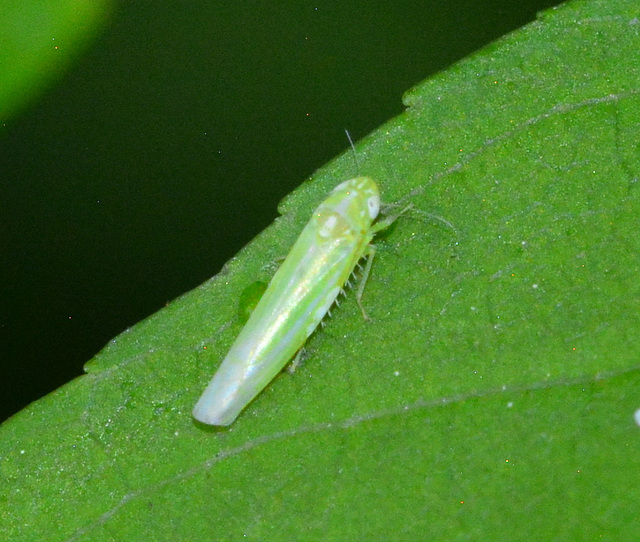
(297, 298)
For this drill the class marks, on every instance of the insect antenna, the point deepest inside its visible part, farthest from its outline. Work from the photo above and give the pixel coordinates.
(353, 148)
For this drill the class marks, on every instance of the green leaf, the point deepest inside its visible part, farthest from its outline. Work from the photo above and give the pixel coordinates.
(492, 394)
(40, 41)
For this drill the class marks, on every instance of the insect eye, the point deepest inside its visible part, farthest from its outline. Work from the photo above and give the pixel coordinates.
(374, 206)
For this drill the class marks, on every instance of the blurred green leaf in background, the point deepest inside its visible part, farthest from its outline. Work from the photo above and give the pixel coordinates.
(40, 40)
(491, 396)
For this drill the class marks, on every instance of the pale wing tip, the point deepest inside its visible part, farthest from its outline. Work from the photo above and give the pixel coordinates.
(209, 415)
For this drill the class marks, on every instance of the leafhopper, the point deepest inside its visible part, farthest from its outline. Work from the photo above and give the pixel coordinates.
(297, 298)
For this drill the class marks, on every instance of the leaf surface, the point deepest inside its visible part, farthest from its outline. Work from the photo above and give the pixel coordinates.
(495, 385)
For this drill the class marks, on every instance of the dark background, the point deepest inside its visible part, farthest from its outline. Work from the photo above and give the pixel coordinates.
(168, 145)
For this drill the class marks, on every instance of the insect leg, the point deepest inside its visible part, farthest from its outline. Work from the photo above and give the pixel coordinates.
(296, 361)
(370, 253)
